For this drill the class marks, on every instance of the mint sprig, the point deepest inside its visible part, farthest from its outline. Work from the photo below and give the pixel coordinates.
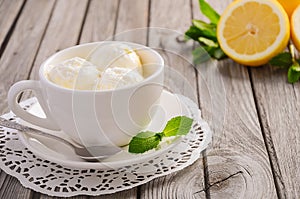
(205, 34)
(287, 60)
(147, 140)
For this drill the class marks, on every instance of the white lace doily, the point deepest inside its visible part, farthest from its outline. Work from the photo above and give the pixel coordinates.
(56, 180)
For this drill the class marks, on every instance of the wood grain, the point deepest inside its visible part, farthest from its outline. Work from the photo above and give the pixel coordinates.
(9, 10)
(50, 197)
(13, 189)
(132, 22)
(187, 183)
(60, 34)
(15, 64)
(180, 78)
(100, 21)
(238, 161)
(166, 36)
(18, 57)
(280, 125)
(130, 194)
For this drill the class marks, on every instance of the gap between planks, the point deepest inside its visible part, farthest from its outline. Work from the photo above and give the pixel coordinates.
(280, 188)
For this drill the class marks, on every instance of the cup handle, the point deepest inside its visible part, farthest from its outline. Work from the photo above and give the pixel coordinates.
(13, 104)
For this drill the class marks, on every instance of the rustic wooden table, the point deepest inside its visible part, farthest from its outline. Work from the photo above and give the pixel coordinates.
(255, 151)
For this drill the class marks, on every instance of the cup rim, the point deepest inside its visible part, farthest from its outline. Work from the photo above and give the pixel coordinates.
(152, 76)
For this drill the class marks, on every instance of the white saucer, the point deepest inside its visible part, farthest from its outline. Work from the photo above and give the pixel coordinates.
(169, 106)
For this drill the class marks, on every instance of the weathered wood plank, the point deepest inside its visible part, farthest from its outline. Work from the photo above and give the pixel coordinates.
(132, 21)
(15, 65)
(166, 37)
(278, 105)
(238, 163)
(13, 189)
(3, 176)
(187, 183)
(9, 10)
(128, 194)
(100, 21)
(180, 77)
(62, 32)
(50, 197)
(18, 57)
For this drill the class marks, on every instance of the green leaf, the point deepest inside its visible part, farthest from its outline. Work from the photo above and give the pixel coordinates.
(208, 42)
(216, 53)
(206, 30)
(179, 125)
(209, 12)
(294, 73)
(193, 32)
(200, 55)
(148, 140)
(282, 60)
(144, 141)
(293, 76)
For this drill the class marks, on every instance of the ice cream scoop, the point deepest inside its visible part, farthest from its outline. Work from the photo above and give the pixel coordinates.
(117, 77)
(109, 66)
(115, 55)
(75, 73)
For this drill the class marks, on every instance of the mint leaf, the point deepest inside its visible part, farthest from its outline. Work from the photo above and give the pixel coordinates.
(144, 141)
(208, 42)
(294, 73)
(214, 52)
(206, 30)
(180, 125)
(147, 140)
(193, 33)
(282, 60)
(205, 34)
(209, 12)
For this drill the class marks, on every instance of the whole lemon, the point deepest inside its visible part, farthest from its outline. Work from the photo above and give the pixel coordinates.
(289, 5)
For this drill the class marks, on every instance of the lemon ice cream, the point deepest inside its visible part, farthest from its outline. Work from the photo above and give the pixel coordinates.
(117, 77)
(75, 73)
(115, 55)
(108, 67)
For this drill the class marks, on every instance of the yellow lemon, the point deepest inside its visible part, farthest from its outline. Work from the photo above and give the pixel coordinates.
(295, 27)
(251, 32)
(289, 5)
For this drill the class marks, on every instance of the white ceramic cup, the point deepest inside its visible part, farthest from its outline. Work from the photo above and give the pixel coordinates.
(94, 117)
